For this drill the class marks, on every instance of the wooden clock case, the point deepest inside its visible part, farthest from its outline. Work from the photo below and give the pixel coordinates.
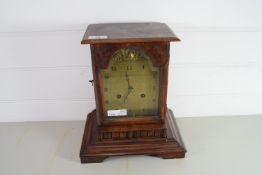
(148, 135)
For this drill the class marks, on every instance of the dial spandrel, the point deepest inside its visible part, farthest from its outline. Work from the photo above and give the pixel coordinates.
(130, 83)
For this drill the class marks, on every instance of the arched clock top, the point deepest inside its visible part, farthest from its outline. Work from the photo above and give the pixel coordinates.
(158, 52)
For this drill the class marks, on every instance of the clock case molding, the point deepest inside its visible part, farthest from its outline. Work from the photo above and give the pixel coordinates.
(149, 135)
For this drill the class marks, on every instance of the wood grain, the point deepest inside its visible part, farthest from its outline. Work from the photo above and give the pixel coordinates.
(128, 32)
(150, 135)
(94, 150)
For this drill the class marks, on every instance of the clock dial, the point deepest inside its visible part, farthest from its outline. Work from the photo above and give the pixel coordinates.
(130, 85)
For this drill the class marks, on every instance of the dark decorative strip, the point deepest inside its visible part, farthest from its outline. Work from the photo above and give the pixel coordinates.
(126, 135)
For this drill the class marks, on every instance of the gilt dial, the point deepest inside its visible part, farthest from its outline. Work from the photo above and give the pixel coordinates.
(130, 85)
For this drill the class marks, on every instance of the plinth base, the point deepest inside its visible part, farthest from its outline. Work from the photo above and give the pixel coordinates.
(94, 151)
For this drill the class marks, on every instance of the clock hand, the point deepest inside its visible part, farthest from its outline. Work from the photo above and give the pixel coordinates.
(129, 91)
(129, 88)
(127, 79)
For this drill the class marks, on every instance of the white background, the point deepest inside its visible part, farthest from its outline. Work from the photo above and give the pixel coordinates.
(216, 70)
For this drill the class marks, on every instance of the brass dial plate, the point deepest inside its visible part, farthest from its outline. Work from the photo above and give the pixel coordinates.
(131, 84)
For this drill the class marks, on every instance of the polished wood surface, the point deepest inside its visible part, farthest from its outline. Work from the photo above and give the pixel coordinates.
(94, 150)
(150, 135)
(128, 32)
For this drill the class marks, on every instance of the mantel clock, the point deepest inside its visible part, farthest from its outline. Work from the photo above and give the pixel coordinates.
(130, 76)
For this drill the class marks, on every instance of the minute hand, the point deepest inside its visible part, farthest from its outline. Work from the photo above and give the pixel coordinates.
(129, 88)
